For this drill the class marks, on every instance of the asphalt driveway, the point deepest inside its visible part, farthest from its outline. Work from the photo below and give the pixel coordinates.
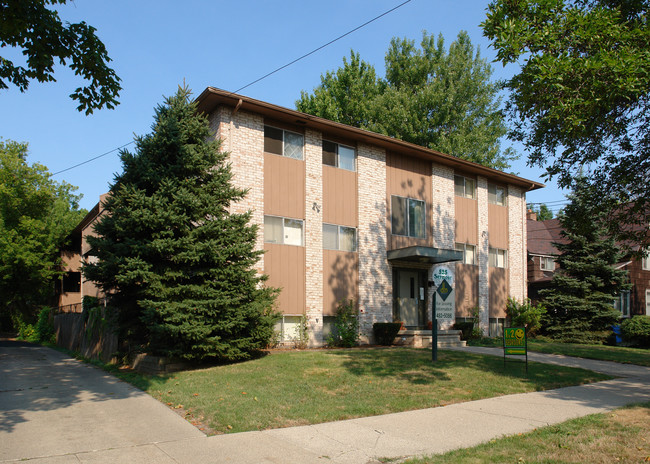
(54, 407)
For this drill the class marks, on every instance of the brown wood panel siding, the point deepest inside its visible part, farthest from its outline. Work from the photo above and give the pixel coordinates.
(466, 289)
(411, 178)
(498, 226)
(284, 186)
(285, 266)
(466, 211)
(340, 197)
(498, 291)
(71, 260)
(340, 278)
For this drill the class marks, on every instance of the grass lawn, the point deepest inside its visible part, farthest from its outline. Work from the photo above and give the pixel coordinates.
(287, 388)
(622, 436)
(619, 354)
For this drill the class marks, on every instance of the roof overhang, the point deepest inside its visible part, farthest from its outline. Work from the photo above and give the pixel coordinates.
(424, 255)
(212, 97)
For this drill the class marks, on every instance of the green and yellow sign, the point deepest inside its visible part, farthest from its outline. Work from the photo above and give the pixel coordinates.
(514, 341)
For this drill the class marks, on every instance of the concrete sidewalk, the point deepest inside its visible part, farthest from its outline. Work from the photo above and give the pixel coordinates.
(365, 440)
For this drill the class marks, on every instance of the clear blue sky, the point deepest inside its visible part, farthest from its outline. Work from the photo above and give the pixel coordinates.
(156, 45)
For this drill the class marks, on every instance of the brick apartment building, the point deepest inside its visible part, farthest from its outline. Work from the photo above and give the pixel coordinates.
(347, 213)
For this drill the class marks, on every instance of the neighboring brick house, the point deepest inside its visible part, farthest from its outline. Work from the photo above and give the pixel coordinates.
(347, 213)
(542, 265)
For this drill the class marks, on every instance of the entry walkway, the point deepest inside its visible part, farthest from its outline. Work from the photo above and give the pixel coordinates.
(124, 425)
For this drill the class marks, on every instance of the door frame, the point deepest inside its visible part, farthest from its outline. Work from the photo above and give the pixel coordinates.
(423, 279)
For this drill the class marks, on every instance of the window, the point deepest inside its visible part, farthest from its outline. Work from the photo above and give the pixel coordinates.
(622, 303)
(469, 252)
(339, 238)
(71, 282)
(496, 195)
(546, 263)
(464, 187)
(407, 217)
(283, 231)
(338, 156)
(282, 142)
(498, 258)
(647, 302)
(645, 262)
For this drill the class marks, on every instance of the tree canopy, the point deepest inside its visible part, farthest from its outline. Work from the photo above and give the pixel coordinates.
(176, 264)
(438, 98)
(36, 215)
(542, 211)
(580, 103)
(44, 38)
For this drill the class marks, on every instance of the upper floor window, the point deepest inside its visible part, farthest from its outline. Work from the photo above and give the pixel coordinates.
(547, 263)
(337, 155)
(283, 231)
(498, 258)
(469, 252)
(464, 187)
(645, 262)
(407, 217)
(282, 142)
(339, 238)
(497, 195)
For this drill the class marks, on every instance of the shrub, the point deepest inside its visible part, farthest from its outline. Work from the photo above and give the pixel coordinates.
(346, 326)
(385, 332)
(636, 330)
(44, 330)
(525, 315)
(467, 329)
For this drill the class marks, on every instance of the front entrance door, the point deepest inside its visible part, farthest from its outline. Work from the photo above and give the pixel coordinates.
(410, 299)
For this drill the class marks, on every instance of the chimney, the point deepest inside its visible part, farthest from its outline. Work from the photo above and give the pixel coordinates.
(530, 214)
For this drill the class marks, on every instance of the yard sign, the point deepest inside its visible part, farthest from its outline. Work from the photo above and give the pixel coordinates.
(515, 343)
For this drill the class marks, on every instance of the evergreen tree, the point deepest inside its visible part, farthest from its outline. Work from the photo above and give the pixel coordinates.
(177, 265)
(580, 299)
(437, 98)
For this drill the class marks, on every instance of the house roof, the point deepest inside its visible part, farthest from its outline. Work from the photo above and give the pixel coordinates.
(212, 97)
(542, 235)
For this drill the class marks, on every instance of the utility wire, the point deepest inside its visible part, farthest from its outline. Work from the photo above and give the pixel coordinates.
(322, 46)
(92, 159)
(261, 78)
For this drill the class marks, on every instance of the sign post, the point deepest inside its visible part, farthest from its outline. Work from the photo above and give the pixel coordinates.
(515, 343)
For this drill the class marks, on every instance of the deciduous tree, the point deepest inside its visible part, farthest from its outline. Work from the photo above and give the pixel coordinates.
(438, 98)
(36, 215)
(44, 39)
(581, 101)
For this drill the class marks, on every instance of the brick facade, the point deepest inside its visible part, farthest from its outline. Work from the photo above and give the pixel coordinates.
(482, 254)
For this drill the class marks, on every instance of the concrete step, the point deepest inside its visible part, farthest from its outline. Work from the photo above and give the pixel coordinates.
(423, 338)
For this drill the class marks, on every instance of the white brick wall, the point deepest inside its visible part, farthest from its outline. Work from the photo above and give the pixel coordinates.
(483, 252)
(517, 240)
(375, 275)
(314, 235)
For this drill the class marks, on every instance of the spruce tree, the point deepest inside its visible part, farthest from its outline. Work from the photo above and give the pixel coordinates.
(580, 299)
(178, 266)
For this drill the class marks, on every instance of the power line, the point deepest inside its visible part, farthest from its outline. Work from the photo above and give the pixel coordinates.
(93, 159)
(261, 78)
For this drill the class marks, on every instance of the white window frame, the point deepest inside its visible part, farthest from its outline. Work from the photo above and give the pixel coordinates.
(284, 132)
(494, 262)
(407, 219)
(622, 303)
(464, 193)
(647, 302)
(544, 261)
(468, 250)
(337, 163)
(645, 261)
(284, 219)
(338, 237)
(492, 194)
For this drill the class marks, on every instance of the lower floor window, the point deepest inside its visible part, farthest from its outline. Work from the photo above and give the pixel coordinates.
(622, 303)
